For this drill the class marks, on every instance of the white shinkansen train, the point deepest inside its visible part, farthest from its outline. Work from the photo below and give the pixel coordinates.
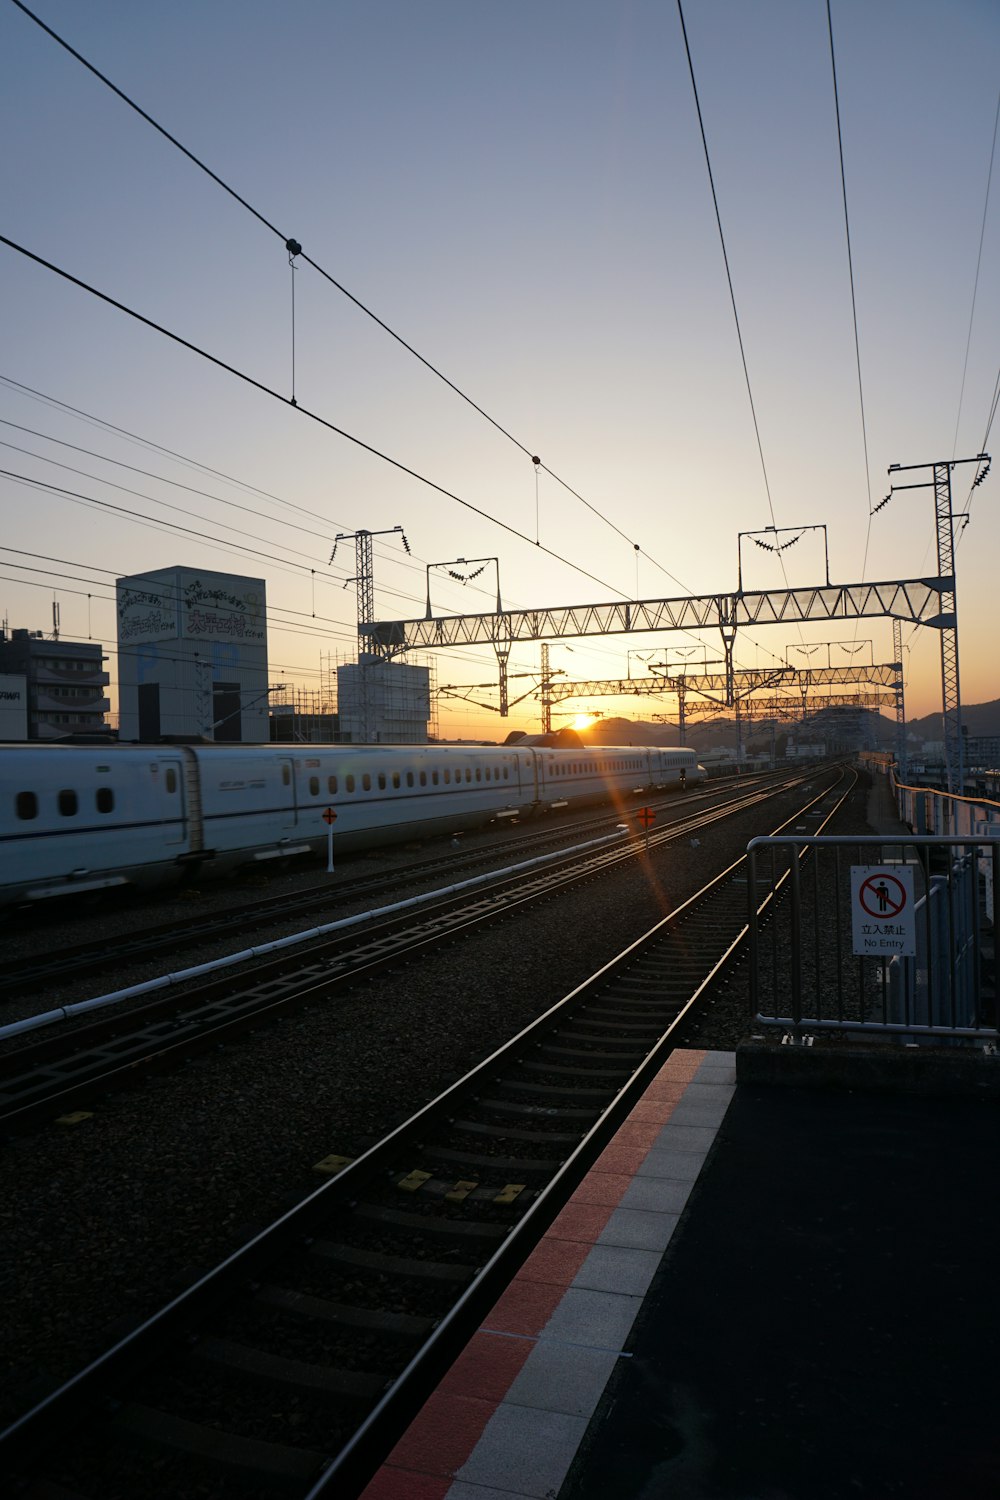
(88, 817)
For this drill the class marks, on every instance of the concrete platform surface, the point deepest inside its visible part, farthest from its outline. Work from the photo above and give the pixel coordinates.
(759, 1294)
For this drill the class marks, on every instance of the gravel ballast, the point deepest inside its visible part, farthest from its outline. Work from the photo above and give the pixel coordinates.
(105, 1219)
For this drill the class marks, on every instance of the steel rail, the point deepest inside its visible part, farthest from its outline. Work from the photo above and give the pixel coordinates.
(90, 957)
(92, 1392)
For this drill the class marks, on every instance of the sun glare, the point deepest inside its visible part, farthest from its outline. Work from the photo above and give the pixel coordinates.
(584, 721)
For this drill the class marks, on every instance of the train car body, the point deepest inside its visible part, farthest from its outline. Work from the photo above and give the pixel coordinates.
(84, 818)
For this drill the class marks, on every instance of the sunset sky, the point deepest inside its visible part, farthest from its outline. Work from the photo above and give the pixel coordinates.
(519, 191)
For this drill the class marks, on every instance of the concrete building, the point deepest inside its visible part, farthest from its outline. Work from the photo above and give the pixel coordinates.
(13, 707)
(192, 656)
(383, 703)
(63, 684)
(982, 750)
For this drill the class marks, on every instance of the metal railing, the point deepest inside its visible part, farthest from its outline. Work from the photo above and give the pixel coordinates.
(881, 935)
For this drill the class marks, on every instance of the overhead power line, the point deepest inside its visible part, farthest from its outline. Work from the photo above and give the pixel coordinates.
(46, 399)
(725, 257)
(296, 251)
(302, 410)
(975, 290)
(148, 474)
(850, 267)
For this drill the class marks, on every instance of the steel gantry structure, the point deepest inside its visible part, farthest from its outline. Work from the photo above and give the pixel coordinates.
(714, 686)
(916, 600)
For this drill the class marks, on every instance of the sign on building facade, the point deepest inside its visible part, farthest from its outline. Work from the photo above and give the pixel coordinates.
(192, 656)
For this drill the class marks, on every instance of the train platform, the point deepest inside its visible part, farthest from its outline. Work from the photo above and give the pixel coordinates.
(763, 1291)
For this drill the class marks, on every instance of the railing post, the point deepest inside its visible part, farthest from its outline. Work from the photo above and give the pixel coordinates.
(752, 929)
(796, 944)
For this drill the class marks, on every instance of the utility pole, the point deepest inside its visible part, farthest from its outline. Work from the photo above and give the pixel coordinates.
(364, 578)
(897, 652)
(546, 690)
(947, 619)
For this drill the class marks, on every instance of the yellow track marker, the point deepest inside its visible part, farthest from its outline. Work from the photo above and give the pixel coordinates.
(413, 1182)
(461, 1191)
(510, 1192)
(331, 1165)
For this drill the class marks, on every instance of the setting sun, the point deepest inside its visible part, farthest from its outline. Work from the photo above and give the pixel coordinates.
(584, 721)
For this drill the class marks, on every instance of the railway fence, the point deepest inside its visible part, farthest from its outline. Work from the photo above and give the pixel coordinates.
(888, 937)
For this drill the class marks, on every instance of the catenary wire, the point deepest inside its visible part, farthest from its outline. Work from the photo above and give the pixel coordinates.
(155, 500)
(854, 303)
(975, 290)
(302, 410)
(725, 257)
(258, 385)
(100, 422)
(149, 474)
(299, 253)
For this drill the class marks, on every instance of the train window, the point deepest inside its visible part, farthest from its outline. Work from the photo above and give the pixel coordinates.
(506, 773)
(489, 774)
(286, 777)
(479, 773)
(434, 777)
(314, 786)
(395, 778)
(423, 778)
(331, 785)
(349, 783)
(27, 805)
(104, 799)
(67, 803)
(447, 776)
(496, 773)
(366, 782)
(468, 773)
(381, 781)
(170, 780)
(409, 778)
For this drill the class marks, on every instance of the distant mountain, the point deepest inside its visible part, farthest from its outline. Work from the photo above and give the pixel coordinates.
(979, 719)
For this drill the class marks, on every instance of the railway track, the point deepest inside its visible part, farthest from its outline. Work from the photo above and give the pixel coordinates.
(73, 961)
(60, 1072)
(297, 1362)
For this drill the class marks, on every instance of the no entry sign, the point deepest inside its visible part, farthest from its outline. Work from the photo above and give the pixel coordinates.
(882, 918)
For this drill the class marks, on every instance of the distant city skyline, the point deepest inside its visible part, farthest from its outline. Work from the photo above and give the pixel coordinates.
(520, 193)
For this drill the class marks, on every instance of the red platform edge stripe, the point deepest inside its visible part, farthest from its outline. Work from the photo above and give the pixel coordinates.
(424, 1462)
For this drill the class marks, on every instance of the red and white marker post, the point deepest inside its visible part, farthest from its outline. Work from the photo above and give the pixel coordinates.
(329, 818)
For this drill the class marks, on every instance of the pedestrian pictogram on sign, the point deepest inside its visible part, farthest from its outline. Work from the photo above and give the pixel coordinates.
(882, 917)
(882, 895)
